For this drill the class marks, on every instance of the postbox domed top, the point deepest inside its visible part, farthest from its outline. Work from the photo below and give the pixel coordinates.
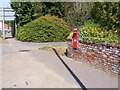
(75, 29)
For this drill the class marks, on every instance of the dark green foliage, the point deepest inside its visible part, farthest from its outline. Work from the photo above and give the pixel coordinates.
(27, 11)
(107, 14)
(44, 29)
(8, 22)
(37, 9)
(55, 8)
(13, 28)
(78, 13)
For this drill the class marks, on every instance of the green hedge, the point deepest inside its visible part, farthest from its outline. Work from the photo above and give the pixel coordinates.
(44, 29)
(95, 33)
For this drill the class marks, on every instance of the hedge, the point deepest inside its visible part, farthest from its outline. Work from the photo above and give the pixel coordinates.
(95, 33)
(44, 29)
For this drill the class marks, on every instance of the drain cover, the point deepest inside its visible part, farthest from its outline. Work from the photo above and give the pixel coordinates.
(24, 50)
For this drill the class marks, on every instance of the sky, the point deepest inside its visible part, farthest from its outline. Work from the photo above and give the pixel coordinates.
(4, 3)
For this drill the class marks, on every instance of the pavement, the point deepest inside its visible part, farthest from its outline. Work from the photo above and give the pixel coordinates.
(24, 66)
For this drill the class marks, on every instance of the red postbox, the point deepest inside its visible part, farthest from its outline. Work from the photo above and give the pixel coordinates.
(75, 38)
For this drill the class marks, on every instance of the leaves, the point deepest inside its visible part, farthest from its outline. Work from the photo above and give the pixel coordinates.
(106, 14)
(28, 11)
(44, 29)
(94, 32)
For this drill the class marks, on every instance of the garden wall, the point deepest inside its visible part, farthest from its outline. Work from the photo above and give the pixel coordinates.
(101, 56)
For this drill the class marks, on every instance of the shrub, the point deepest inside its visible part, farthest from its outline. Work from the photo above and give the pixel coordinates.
(107, 14)
(44, 29)
(93, 32)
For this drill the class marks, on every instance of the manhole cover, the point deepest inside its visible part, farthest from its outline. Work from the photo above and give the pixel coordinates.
(24, 50)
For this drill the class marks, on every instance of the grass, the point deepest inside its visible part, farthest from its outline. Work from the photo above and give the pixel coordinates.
(61, 49)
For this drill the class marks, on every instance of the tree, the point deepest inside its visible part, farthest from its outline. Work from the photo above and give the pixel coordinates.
(55, 8)
(78, 13)
(37, 9)
(107, 14)
(32, 10)
(26, 11)
(13, 28)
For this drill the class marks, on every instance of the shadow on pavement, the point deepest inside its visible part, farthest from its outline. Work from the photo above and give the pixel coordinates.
(24, 50)
(71, 72)
(8, 37)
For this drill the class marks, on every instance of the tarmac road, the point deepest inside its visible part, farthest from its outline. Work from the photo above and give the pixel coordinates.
(24, 66)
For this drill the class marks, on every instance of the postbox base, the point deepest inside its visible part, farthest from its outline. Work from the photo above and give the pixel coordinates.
(75, 48)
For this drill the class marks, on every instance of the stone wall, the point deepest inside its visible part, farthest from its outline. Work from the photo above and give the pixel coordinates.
(102, 56)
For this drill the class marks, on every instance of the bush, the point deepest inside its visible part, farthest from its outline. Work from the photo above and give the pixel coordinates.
(44, 29)
(93, 32)
(107, 14)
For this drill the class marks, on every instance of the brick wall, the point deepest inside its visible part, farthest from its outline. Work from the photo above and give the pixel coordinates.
(101, 56)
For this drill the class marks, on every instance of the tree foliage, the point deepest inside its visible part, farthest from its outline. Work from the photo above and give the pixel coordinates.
(13, 28)
(78, 13)
(27, 11)
(55, 8)
(107, 14)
